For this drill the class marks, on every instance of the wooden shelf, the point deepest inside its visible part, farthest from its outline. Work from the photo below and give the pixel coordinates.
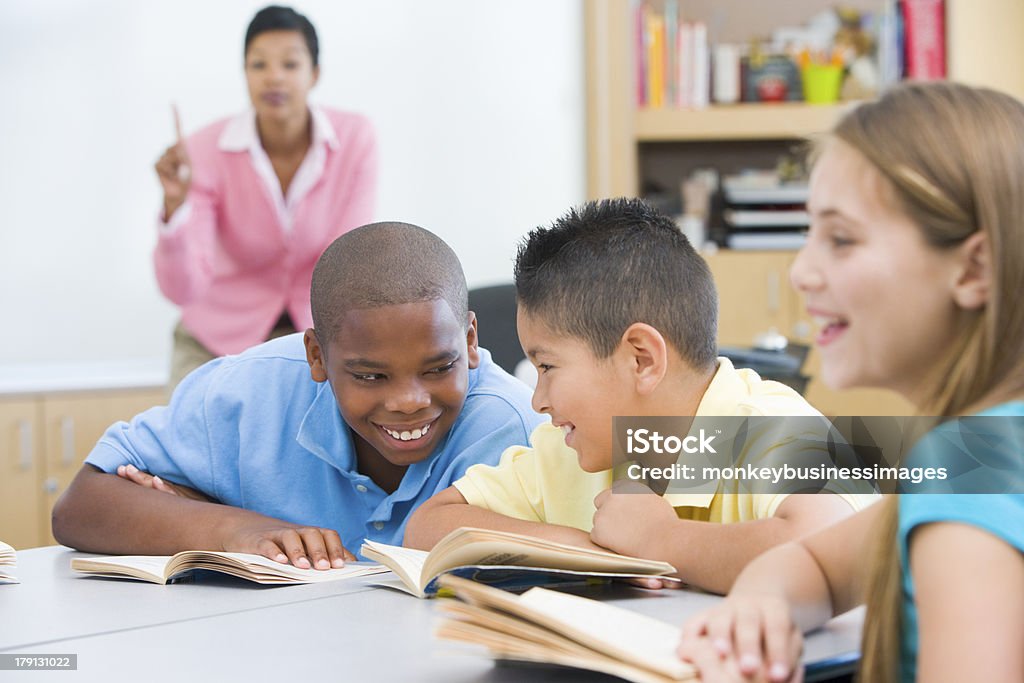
(776, 121)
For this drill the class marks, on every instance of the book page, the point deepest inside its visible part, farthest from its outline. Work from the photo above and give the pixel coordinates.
(8, 560)
(612, 631)
(247, 566)
(407, 563)
(631, 637)
(263, 566)
(150, 567)
(6, 554)
(469, 546)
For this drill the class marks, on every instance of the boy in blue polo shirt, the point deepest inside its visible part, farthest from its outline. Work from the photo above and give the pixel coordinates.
(305, 446)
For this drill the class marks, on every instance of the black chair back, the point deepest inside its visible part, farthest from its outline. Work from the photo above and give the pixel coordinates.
(495, 309)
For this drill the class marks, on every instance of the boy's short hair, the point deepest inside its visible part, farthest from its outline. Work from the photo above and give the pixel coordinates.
(611, 263)
(384, 264)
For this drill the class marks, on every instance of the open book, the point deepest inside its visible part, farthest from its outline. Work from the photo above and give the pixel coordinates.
(8, 560)
(164, 568)
(505, 560)
(559, 628)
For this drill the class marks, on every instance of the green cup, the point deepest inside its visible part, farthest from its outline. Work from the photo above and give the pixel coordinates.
(822, 82)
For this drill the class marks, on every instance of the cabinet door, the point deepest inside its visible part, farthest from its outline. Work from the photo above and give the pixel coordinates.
(754, 294)
(72, 426)
(20, 474)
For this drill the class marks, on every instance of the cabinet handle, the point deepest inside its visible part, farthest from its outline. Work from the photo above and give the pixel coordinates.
(773, 292)
(25, 440)
(51, 485)
(67, 432)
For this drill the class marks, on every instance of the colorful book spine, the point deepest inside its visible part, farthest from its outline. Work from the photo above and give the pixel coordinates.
(656, 61)
(671, 53)
(640, 54)
(701, 67)
(924, 26)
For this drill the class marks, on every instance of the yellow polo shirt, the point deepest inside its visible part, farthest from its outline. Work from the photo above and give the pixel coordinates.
(544, 482)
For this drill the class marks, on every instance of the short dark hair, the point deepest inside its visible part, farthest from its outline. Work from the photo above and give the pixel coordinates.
(383, 264)
(611, 263)
(278, 18)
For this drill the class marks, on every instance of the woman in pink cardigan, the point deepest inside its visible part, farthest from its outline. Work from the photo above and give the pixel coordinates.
(250, 202)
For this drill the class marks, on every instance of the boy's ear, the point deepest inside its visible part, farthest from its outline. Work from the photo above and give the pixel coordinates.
(315, 357)
(472, 342)
(645, 354)
(974, 279)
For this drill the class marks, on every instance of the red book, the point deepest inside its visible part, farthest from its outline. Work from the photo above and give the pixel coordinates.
(924, 30)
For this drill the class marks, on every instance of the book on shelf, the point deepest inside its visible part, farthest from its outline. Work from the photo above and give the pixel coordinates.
(767, 218)
(924, 35)
(763, 188)
(8, 561)
(507, 560)
(167, 568)
(766, 240)
(550, 627)
(671, 57)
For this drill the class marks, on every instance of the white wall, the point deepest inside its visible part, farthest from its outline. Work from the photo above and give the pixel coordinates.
(478, 107)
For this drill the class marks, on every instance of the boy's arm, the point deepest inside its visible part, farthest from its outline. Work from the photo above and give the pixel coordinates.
(448, 510)
(706, 555)
(104, 513)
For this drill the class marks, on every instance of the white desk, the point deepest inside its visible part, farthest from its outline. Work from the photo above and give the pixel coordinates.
(223, 629)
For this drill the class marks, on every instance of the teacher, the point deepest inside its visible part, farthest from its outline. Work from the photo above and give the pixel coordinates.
(250, 202)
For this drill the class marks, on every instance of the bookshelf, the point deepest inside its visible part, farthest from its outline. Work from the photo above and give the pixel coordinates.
(628, 149)
(982, 48)
(784, 121)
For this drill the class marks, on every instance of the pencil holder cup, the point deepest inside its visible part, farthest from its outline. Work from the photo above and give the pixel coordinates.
(822, 82)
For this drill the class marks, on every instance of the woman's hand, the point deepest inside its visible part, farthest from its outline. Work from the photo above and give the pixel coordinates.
(755, 636)
(174, 169)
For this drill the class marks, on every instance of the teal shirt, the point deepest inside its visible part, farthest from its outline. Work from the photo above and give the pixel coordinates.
(1001, 515)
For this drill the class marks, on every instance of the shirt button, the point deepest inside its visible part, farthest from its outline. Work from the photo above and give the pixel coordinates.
(360, 488)
(378, 525)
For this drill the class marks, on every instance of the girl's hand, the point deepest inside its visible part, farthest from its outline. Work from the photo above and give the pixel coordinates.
(174, 169)
(756, 636)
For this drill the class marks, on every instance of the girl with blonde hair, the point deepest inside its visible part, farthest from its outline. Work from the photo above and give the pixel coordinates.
(913, 262)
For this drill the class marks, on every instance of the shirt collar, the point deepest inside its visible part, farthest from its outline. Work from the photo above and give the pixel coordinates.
(324, 434)
(719, 399)
(239, 135)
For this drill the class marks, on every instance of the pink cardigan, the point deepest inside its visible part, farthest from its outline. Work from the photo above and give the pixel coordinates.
(231, 265)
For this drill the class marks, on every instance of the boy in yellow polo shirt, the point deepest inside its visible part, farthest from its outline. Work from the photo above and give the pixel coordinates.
(619, 315)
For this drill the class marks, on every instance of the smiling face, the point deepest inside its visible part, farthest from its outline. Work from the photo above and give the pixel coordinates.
(581, 392)
(399, 374)
(882, 296)
(280, 73)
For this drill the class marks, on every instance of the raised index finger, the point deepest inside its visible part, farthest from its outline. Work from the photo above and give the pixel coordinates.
(177, 123)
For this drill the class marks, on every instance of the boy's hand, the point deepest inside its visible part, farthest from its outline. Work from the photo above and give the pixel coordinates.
(303, 546)
(149, 481)
(755, 635)
(631, 519)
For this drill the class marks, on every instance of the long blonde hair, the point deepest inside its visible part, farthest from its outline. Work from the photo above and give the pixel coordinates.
(954, 156)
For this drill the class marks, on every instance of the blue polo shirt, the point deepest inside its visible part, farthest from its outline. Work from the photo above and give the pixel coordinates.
(255, 431)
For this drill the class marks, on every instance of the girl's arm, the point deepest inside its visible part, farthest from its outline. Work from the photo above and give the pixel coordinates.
(793, 588)
(970, 604)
